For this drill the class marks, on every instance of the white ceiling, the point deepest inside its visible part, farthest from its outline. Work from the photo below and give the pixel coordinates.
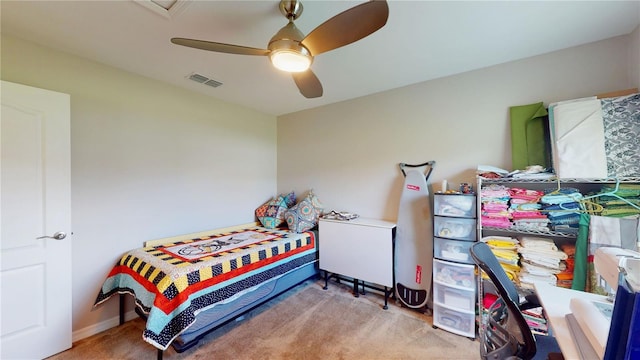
(422, 40)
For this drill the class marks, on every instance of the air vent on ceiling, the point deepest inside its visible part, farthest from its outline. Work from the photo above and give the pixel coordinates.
(204, 80)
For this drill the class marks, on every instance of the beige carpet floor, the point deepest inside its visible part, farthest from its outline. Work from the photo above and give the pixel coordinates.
(306, 323)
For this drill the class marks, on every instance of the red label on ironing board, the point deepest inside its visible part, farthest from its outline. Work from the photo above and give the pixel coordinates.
(413, 187)
(418, 274)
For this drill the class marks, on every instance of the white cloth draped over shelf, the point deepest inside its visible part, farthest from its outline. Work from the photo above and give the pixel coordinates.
(577, 132)
(596, 138)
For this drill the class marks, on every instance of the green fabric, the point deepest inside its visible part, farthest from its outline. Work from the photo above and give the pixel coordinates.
(580, 258)
(529, 136)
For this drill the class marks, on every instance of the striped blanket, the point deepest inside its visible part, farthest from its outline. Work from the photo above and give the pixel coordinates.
(173, 282)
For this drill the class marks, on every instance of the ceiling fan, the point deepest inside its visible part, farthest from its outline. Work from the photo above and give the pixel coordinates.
(289, 50)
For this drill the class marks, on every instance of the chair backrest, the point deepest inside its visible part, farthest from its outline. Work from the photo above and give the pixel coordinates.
(508, 295)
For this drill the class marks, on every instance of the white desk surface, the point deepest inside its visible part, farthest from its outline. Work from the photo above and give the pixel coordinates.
(555, 301)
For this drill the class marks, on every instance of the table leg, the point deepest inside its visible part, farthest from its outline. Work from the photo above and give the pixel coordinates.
(326, 280)
(386, 298)
(356, 293)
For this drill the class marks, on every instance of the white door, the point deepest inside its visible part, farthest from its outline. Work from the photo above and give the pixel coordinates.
(35, 276)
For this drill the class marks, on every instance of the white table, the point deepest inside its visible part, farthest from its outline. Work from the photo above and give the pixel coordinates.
(555, 301)
(360, 248)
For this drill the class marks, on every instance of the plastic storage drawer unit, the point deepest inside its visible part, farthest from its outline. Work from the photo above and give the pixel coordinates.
(452, 274)
(452, 250)
(458, 322)
(459, 299)
(455, 205)
(454, 228)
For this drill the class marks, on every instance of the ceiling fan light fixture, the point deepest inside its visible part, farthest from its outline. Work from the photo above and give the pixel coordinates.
(291, 51)
(290, 60)
(286, 52)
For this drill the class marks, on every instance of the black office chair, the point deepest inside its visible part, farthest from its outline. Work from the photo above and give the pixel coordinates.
(505, 333)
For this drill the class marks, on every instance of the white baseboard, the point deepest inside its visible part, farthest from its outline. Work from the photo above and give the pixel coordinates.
(101, 326)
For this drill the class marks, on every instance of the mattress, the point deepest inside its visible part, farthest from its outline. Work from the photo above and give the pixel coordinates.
(173, 282)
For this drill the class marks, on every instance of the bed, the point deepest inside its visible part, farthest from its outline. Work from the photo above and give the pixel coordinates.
(188, 285)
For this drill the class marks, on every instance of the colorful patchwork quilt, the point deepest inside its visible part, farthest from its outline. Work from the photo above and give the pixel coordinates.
(173, 282)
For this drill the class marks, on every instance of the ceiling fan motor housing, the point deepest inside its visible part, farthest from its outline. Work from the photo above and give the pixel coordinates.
(286, 44)
(292, 9)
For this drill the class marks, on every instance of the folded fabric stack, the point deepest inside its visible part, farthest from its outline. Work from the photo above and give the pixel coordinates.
(562, 208)
(565, 277)
(625, 201)
(495, 206)
(540, 260)
(536, 320)
(525, 210)
(505, 249)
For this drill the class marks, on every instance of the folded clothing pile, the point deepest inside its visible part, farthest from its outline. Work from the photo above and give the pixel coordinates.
(565, 277)
(562, 208)
(525, 210)
(536, 320)
(540, 260)
(340, 215)
(623, 201)
(505, 249)
(495, 206)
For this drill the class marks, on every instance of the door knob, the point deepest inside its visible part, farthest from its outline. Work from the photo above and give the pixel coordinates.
(58, 236)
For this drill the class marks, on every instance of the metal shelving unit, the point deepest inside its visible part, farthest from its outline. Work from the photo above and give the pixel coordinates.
(584, 185)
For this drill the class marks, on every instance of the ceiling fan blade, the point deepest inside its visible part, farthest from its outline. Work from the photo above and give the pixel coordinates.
(219, 47)
(308, 84)
(347, 27)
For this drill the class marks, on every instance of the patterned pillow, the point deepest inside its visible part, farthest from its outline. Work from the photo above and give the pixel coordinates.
(261, 211)
(289, 198)
(315, 202)
(304, 215)
(271, 213)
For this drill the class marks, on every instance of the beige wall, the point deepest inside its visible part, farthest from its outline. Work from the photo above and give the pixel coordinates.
(149, 160)
(634, 58)
(349, 152)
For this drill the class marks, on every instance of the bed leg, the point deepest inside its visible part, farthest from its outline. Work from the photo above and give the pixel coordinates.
(160, 352)
(121, 309)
